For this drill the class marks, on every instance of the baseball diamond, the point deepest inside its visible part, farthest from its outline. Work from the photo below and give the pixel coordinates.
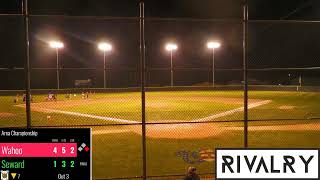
(216, 110)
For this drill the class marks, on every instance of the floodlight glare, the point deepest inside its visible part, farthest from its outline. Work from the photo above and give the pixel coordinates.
(213, 45)
(171, 47)
(105, 46)
(56, 44)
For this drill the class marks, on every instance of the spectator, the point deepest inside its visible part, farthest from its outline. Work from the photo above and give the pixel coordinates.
(192, 174)
(16, 99)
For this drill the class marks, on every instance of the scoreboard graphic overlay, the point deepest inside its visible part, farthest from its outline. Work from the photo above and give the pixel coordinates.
(50, 154)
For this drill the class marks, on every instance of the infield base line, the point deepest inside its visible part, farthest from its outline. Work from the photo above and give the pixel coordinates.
(117, 120)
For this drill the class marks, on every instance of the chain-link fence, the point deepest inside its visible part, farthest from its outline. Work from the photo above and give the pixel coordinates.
(162, 98)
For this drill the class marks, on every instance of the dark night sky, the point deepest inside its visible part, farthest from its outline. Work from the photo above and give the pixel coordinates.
(259, 9)
(271, 45)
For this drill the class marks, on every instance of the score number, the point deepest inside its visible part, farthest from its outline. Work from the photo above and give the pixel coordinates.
(64, 164)
(63, 150)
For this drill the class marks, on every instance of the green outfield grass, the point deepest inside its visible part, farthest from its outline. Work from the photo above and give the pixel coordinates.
(124, 151)
(117, 150)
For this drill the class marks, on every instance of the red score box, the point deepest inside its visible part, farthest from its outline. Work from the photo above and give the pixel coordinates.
(38, 150)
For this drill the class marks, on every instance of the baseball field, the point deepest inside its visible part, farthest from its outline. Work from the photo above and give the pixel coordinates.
(183, 128)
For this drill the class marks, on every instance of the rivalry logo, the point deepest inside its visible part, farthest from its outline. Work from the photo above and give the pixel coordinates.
(267, 164)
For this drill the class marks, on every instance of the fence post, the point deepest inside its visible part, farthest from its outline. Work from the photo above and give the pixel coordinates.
(245, 70)
(27, 61)
(142, 80)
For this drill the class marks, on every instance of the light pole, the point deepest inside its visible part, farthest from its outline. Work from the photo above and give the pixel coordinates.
(104, 47)
(57, 45)
(171, 47)
(213, 45)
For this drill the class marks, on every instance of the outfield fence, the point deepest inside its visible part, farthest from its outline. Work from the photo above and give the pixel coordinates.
(154, 119)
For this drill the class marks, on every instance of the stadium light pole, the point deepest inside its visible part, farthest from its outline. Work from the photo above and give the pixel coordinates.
(213, 45)
(171, 47)
(57, 45)
(104, 47)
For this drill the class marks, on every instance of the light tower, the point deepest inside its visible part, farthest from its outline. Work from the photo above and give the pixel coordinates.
(213, 45)
(171, 47)
(57, 45)
(104, 47)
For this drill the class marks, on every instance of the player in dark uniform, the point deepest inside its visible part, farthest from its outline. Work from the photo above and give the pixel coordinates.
(192, 174)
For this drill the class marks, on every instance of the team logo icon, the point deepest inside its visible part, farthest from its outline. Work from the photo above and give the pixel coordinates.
(5, 175)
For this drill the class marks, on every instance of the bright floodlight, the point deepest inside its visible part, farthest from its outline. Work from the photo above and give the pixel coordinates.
(56, 44)
(171, 47)
(213, 45)
(105, 46)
